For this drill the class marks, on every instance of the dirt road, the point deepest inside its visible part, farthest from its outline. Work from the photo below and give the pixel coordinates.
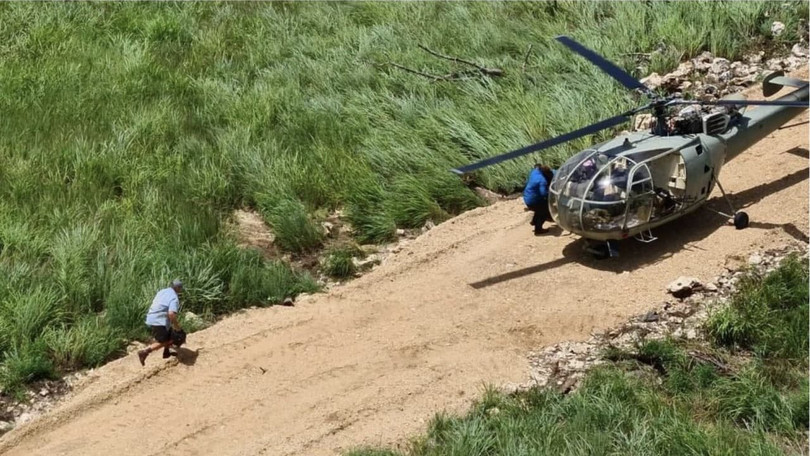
(373, 360)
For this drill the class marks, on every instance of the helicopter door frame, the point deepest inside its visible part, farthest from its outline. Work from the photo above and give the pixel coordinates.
(597, 174)
(630, 183)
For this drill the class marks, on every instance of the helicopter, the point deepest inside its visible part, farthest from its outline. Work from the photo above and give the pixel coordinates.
(631, 184)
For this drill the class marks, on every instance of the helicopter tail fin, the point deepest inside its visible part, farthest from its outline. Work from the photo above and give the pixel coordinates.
(776, 80)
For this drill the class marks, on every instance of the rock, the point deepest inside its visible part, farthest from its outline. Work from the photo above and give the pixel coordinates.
(653, 80)
(288, 302)
(777, 28)
(331, 230)
(755, 259)
(691, 334)
(24, 418)
(704, 57)
(643, 122)
(578, 348)
(774, 64)
(367, 262)
(755, 58)
(799, 51)
(493, 411)
(686, 85)
(5, 426)
(684, 69)
(577, 364)
(720, 65)
(568, 386)
(683, 286)
(725, 76)
(44, 392)
(710, 287)
(680, 310)
(651, 316)
(794, 62)
(400, 232)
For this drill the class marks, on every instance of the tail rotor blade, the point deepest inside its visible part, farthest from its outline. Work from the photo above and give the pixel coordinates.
(605, 65)
(590, 129)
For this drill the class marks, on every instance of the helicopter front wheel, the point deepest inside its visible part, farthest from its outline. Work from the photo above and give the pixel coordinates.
(740, 220)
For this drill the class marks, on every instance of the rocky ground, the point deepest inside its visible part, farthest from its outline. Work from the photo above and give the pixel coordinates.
(563, 365)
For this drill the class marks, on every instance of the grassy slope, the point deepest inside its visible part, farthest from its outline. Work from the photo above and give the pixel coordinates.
(760, 407)
(130, 131)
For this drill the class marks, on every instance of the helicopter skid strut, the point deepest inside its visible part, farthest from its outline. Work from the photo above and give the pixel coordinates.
(740, 219)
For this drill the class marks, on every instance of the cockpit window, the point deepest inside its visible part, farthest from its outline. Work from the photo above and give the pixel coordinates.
(599, 192)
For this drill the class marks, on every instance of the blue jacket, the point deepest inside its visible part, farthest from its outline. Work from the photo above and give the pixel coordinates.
(536, 187)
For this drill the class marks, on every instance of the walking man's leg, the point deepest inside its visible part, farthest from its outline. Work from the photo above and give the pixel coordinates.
(162, 340)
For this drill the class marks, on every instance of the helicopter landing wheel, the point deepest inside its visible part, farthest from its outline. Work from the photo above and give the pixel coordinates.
(740, 220)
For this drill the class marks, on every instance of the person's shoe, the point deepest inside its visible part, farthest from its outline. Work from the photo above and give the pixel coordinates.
(142, 354)
(166, 352)
(540, 231)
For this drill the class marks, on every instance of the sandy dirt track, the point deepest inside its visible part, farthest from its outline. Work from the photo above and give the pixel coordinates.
(372, 361)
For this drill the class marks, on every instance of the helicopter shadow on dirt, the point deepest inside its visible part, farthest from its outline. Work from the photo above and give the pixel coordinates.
(681, 233)
(673, 237)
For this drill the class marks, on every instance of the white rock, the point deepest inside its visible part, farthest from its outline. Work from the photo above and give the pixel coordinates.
(5, 426)
(691, 333)
(777, 28)
(705, 57)
(799, 51)
(330, 229)
(755, 58)
(44, 392)
(710, 287)
(653, 80)
(577, 364)
(24, 418)
(683, 286)
(400, 232)
(720, 65)
(755, 259)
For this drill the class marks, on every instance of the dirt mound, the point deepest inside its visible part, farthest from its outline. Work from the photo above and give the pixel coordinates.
(373, 360)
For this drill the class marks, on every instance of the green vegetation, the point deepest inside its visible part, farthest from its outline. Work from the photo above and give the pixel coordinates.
(132, 131)
(338, 261)
(666, 397)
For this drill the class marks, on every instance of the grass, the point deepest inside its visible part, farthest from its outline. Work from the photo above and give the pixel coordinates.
(661, 398)
(131, 132)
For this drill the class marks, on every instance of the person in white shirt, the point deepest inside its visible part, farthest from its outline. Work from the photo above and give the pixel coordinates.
(162, 318)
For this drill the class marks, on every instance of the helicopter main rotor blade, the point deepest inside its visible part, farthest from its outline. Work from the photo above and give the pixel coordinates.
(797, 104)
(605, 65)
(590, 129)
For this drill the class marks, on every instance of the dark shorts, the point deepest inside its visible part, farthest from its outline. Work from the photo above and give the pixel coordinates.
(160, 333)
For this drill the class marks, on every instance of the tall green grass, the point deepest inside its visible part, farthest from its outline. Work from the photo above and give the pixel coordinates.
(130, 132)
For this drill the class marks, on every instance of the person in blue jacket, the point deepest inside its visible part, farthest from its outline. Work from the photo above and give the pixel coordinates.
(535, 195)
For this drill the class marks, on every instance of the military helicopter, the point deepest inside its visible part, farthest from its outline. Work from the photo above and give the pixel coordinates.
(626, 186)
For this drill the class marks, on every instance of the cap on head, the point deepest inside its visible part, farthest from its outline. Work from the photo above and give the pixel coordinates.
(176, 283)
